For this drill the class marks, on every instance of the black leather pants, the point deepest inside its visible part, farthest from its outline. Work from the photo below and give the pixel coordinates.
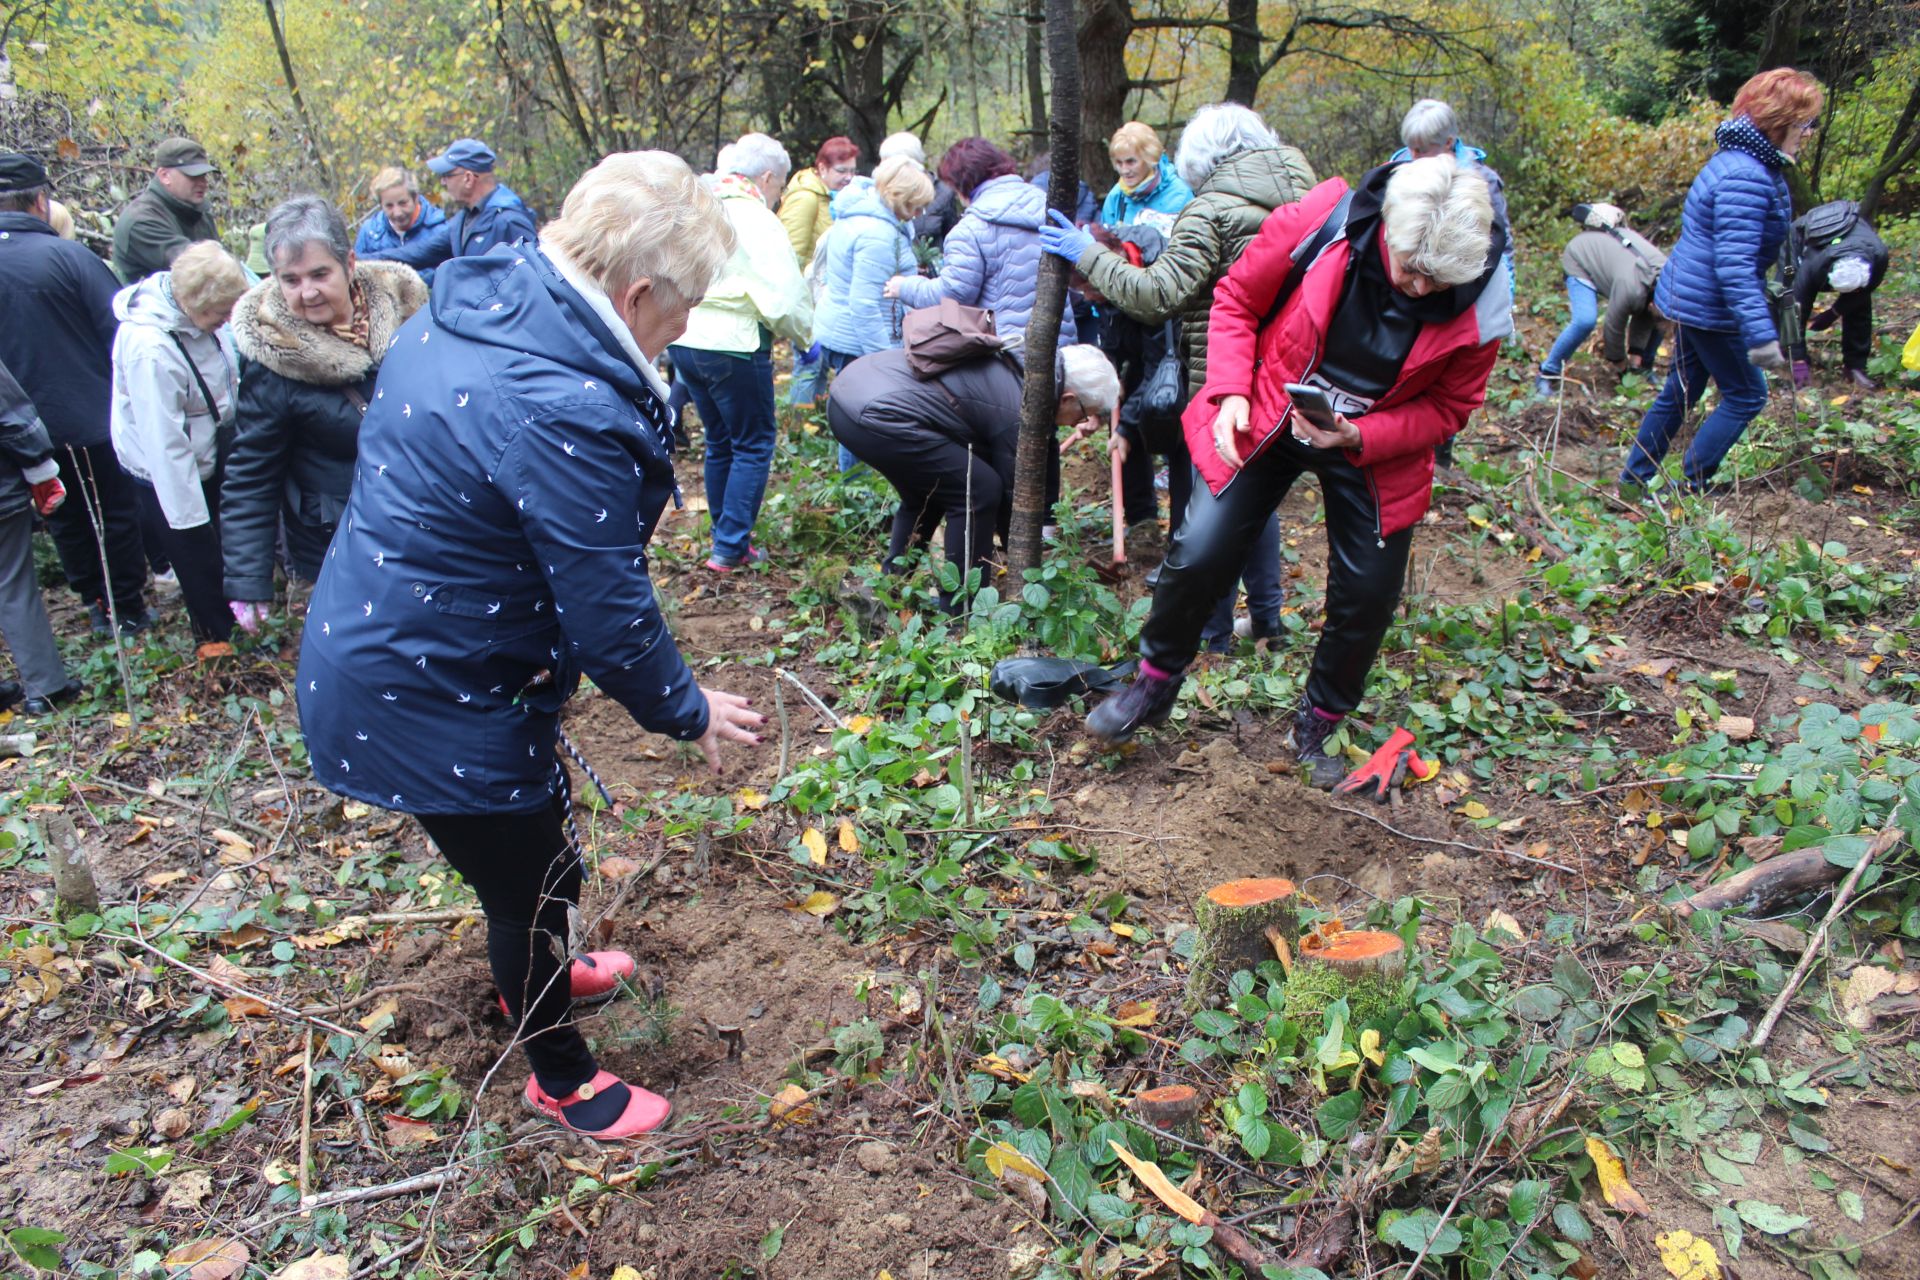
(1364, 568)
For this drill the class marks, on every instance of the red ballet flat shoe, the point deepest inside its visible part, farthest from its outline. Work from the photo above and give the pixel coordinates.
(645, 1111)
(591, 978)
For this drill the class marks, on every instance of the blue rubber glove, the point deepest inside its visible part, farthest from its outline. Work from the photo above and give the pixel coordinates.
(1062, 238)
(811, 355)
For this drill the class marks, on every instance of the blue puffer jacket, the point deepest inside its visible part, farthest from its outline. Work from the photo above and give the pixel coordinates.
(991, 258)
(1168, 197)
(864, 248)
(512, 467)
(1736, 216)
(422, 247)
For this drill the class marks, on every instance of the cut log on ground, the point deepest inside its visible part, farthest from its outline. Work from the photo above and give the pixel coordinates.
(1773, 883)
(1233, 920)
(74, 891)
(1173, 1107)
(1365, 968)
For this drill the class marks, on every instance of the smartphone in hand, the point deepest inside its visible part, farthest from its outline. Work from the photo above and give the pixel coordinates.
(1312, 404)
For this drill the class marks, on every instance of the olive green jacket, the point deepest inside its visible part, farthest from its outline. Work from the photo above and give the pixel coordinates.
(152, 230)
(1208, 236)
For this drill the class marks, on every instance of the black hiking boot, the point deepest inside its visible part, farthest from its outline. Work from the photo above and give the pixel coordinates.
(1310, 733)
(1147, 701)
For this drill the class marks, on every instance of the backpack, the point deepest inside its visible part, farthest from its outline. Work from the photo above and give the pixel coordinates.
(946, 336)
(1829, 222)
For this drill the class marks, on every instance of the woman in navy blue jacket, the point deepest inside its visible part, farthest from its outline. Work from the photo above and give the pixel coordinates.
(1712, 288)
(512, 467)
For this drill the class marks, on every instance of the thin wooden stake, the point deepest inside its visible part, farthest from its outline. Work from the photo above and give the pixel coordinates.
(306, 1117)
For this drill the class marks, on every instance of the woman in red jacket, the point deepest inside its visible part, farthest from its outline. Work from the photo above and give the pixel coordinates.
(1390, 300)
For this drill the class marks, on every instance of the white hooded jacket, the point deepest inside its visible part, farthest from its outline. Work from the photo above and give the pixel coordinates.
(164, 431)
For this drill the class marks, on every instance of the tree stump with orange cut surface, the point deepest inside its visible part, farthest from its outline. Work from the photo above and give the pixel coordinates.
(1237, 923)
(1173, 1107)
(1365, 968)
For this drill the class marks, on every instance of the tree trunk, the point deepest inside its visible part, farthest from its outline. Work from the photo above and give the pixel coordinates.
(293, 91)
(1104, 30)
(862, 42)
(1903, 146)
(1243, 51)
(1237, 923)
(1036, 72)
(1039, 400)
(74, 892)
(1365, 968)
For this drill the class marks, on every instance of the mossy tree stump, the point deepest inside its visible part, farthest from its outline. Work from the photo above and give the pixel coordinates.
(1365, 968)
(1237, 922)
(1173, 1107)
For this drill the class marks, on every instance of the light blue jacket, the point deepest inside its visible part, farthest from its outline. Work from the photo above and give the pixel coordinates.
(1168, 197)
(864, 248)
(991, 258)
(423, 247)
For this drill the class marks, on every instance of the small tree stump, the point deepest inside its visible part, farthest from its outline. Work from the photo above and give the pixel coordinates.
(1233, 920)
(74, 892)
(16, 744)
(1173, 1107)
(1367, 969)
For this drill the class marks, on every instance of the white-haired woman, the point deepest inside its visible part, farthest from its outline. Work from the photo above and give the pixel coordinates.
(1391, 301)
(176, 386)
(512, 469)
(1240, 172)
(725, 357)
(947, 442)
(312, 336)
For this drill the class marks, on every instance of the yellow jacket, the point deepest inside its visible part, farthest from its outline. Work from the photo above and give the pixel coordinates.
(806, 211)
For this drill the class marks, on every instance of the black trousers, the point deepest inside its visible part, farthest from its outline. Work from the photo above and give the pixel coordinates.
(1139, 501)
(97, 489)
(1855, 310)
(526, 873)
(937, 479)
(195, 556)
(1364, 568)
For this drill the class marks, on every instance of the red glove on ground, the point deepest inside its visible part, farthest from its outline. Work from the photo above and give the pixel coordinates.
(1386, 768)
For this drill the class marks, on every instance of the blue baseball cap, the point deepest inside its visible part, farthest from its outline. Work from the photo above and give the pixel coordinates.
(470, 154)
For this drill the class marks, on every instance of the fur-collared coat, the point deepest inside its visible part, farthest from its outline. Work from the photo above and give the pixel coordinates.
(302, 391)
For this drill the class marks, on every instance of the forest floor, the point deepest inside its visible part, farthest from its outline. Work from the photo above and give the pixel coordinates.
(906, 965)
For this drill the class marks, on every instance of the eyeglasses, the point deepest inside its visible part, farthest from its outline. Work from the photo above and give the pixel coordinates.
(1809, 126)
(845, 168)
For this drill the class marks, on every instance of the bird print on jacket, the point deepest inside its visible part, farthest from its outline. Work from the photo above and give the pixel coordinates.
(497, 531)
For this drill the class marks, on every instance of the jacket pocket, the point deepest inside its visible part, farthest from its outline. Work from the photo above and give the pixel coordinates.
(461, 602)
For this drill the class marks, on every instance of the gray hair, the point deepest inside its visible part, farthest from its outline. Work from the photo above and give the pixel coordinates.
(1429, 125)
(1217, 131)
(904, 144)
(294, 224)
(1439, 220)
(24, 201)
(1088, 376)
(753, 155)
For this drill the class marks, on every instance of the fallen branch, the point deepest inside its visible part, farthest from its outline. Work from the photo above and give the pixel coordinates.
(811, 696)
(232, 989)
(354, 1195)
(1764, 886)
(1889, 836)
(198, 810)
(1515, 854)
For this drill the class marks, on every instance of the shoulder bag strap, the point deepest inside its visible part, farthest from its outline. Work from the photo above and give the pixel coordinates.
(1334, 226)
(354, 398)
(206, 394)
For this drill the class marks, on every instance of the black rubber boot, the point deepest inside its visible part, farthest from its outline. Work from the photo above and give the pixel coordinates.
(1310, 733)
(1147, 701)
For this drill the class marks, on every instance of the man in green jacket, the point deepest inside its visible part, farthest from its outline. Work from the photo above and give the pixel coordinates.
(168, 215)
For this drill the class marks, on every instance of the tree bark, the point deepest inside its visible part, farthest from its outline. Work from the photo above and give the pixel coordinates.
(293, 91)
(1903, 146)
(1101, 39)
(74, 891)
(1173, 1107)
(1243, 51)
(1036, 71)
(1039, 400)
(1234, 921)
(1759, 889)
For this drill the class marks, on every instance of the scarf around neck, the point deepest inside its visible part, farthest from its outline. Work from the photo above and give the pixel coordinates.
(355, 330)
(1742, 134)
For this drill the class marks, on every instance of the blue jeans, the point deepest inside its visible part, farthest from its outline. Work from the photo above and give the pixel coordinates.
(1261, 577)
(1698, 355)
(1585, 304)
(832, 362)
(734, 394)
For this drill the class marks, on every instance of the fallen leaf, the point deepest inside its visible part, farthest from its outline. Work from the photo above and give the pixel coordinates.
(209, 1259)
(319, 1266)
(393, 1061)
(1737, 728)
(1122, 930)
(859, 724)
(173, 1122)
(790, 1106)
(751, 799)
(227, 971)
(1475, 810)
(1155, 1181)
(404, 1133)
(1614, 1186)
(1136, 1013)
(624, 1273)
(1498, 919)
(1872, 732)
(185, 1192)
(1863, 985)
(849, 838)
(1687, 1256)
(816, 848)
(817, 903)
(1003, 1158)
(618, 867)
(383, 1011)
(1370, 1047)
(239, 1007)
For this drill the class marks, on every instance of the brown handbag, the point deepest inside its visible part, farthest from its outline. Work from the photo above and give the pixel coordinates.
(946, 336)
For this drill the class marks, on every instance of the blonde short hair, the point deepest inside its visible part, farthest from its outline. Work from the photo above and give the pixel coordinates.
(390, 177)
(59, 219)
(644, 213)
(904, 186)
(206, 277)
(1136, 139)
(1439, 220)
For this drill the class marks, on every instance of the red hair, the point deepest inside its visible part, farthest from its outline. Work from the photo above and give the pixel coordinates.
(835, 151)
(972, 161)
(1779, 100)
